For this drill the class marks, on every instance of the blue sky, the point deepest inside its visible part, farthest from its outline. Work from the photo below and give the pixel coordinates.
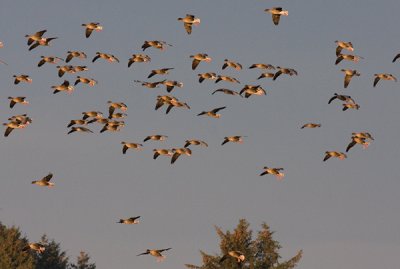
(341, 213)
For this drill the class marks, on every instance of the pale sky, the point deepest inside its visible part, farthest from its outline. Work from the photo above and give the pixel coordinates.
(343, 214)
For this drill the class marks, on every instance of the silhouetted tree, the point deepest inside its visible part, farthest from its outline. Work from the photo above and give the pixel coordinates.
(52, 257)
(260, 253)
(82, 262)
(11, 245)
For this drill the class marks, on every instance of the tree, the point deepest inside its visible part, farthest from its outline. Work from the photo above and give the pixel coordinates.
(11, 245)
(52, 257)
(82, 262)
(259, 253)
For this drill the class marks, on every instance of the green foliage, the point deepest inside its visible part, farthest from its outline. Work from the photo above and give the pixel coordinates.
(11, 245)
(52, 257)
(260, 253)
(82, 262)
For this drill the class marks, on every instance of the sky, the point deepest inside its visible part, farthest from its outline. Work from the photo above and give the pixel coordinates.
(341, 213)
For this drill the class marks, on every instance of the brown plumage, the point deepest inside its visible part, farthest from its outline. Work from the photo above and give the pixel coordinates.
(178, 152)
(200, 57)
(357, 140)
(234, 65)
(262, 66)
(140, 58)
(286, 71)
(75, 54)
(130, 146)
(226, 91)
(89, 81)
(162, 71)
(189, 21)
(349, 74)
(212, 113)
(336, 154)
(22, 78)
(227, 79)
(276, 13)
(165, 152)
(45, 181)
(132, 220)
(35, 37)
(49, 59)
(351, 106)
(311, 125)
(63, 87)
(17, 100)
(195, 142)
(384, 76)
(343, 45)
(210, 76)
(155, 44)
(170, 84)
(155, 253)
(42, 42)
(235, 139)
(80, 129)
(92, 26)
(348, 57)
(345, 98)
(250, 90)
(273, 171)
(108, 57)
(156, 138)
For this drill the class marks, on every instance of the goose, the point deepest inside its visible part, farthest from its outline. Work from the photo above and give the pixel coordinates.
(132, 220)
(156, 138)
(92, 26)
(63, 87)
(49, 59)
(262, 66)
(357, 140)
(235, 139)
(155, 253)
(311, 125)
(195, 142)
(109, 57)
(45, 182)
(21, 78)
(212, 113)
(164, 99)
(348, 57)
(42, 42)
(234, 65)
(343, 45)
(116, 105)
(200, 57)
(189, 21)
(99, 120)
(130, 145)
(175, 103)
(226, 91)
(150, 85)
(363, 135)
(238, 255)
(92, 114)
(350, 105)
(19, 118)
(79, 68)
(336, 154)
(113, 126)
(345, 98)
(250, 90)
(210, 76)
(35, 37)
(349, 73)
(273, 171)
(276, 13)
(266, 75)
(75, 54)
(140, 58)
(178, 152)
(80, 129)
(117, 116)
(286, 71)
(17, 100)
(77, 122)
(162, 71)
(155, 44)
(65, 69)
(227, 79)
(384, 76)
(38, 247)
(170, 84)
(91, 82)
(165, 152)
(13, 125)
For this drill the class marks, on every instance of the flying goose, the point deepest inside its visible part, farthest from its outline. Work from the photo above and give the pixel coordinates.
(262, 66)
(250, 90)
(113, 126)
(174, 103)
(132, 220)
(276, 13)
(130, 145)
(162, 71)
(266, 75)
(38, 247)
(235, 139)
(204, 76)
(63, 87)
(227, 91)
(228, 63)
(343, 45)
(339, 155)
(200, 57)
(345, 98)
(77, 122)
(350, 105)
(227, 79)
(212, 113)
(180, 151)
(188, 21)
(17, 100)
(396, 57)
(311, 125)
(42, 42)
(384, 76)
(22, 78)
(349, 73)
(89, 81)
(155, 253)
(238, 255)
(92, 26)
(140, 58)
(357, 140)
(348, 57)
(109, 57)
(45, 182)
(75, 54)
(165, 152)
(80, 129)
(35, 37)
(92, 114)
(155, 44)
(150, 85)
(286, 71)
(170, 84)
(117, 115)
(49, 59)
(65, 69)
(273, 171)
(13, 125)
(156, 138)
(195, 142)
(363, 135)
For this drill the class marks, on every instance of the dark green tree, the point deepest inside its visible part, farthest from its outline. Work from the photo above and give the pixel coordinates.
(11, 245)
(261, 252)
(53, 257)
(82, 262)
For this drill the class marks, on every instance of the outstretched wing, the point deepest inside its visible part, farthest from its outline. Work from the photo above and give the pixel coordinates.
(275, 18)
(48, 177)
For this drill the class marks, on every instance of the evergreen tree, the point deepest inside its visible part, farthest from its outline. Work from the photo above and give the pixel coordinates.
(259, 253)
(52, 257)
(11, 254)
(82, 262)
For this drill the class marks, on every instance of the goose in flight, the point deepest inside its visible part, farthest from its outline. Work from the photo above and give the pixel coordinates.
(21, 78)
(276, 13)
(286, 71)
(250, 90)
(365, 135)
(195, 142)
(38, 247)
(42, 42)
(45, 182)
(343, 45)
(212, 113)
(132, 220)
(357, 140)
(227, 91)
(156, 138)
(235, 139)
(165, 152)
(63, 87)
(155, 253)
(155, 44)
(350, 106)
(189, 21)
(238, 255)
(178, 152)
(49, 59)
(90, 27)
(130, 146)
(35, 37)
(91, 82)
(311, 125)
(162, 71)
(75, 54)
(209, 75)
(384, 76)
(336, 154)
(273, 171)
(349, 74)
(262, 66)
(17, 100)
(234, 65)
(345, 98)
(80, 129)
(140, 58)
(227, 79)
(200, 57)
(348, 57)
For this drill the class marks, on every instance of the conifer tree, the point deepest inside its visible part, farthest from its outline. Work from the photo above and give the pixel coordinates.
(261, 252)
(52, 257)
(82, 262)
